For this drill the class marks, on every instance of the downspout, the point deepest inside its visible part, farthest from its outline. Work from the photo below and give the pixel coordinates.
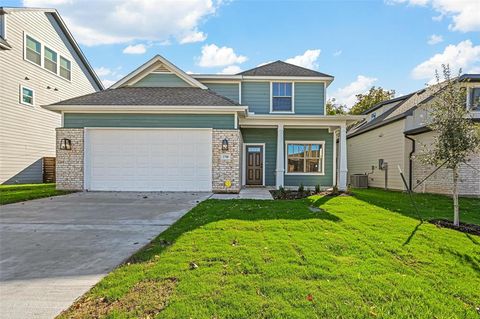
(410, 162)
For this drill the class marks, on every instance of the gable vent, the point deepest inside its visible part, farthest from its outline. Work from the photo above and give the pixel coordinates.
(162, 69)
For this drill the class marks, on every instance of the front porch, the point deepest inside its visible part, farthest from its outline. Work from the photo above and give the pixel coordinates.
(294, 150)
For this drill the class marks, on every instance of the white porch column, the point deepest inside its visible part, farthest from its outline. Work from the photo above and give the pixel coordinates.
(342, 180)
(280, 157)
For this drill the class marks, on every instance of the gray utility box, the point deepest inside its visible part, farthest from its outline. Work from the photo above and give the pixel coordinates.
(359, 180)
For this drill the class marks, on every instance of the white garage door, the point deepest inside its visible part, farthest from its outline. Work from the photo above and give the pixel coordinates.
(148, 160)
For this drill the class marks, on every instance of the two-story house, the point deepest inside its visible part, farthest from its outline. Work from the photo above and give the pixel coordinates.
(395, 131)
(40, 64)
(160, 129)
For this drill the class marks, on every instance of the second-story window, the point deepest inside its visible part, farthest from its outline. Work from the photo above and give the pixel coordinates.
(475, 99)
(65, 68)
(33, 51)
(282, 97)
(50, 60)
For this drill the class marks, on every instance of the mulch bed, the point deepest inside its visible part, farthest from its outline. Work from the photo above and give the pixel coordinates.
(291, 194)
(464, 228)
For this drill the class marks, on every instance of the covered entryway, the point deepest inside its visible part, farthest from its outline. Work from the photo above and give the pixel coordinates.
(148, 159)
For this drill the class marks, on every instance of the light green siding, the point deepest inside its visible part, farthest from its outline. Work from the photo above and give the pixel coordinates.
(309, 98)
(312, 135)
(229, 90)
(257, 96)
(218, 121)
(161, 80)
(269, 137)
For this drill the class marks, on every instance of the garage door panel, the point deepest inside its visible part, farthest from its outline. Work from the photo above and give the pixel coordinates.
(149, 160)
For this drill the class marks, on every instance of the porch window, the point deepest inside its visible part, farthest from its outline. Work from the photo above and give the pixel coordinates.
(305, 158)
(475, 99)
(282, 97)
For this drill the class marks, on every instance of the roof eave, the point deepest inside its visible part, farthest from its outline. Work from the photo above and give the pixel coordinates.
(143, 108)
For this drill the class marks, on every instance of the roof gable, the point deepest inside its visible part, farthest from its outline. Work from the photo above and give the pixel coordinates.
(158, 66)
(280, 68)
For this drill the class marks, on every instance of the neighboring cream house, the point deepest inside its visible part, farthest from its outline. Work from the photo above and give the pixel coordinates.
(40, 64)
(395, 130)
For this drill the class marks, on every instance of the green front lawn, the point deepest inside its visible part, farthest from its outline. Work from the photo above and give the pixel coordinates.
(358, 257)
(23, 192)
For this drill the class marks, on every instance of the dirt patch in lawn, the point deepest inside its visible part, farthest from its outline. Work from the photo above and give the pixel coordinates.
(291, 194)
(144, 300)
(464, 228)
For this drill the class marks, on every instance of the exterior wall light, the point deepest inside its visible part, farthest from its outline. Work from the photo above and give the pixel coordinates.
(225, 145)
(65, 144)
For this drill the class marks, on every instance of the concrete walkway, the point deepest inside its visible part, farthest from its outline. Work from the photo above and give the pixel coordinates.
(247, 193)
(55, 249)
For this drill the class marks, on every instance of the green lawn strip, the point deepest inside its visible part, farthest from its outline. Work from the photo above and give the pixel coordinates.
(18, 193)
(263, 259)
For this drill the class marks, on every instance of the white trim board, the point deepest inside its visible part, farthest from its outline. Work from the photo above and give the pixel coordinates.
(244, 163)
(304, 142)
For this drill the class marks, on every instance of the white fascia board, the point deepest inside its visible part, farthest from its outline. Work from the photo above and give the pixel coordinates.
(158, 58)
(300, 120)
(144, 108)
(217, 77)
(288, 78)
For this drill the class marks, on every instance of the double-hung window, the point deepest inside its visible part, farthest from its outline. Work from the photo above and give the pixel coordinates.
(475, 99)
(282, 97)
(50, 60)
(65, 68)
(26, 95)
(305, 158)
(33, 51)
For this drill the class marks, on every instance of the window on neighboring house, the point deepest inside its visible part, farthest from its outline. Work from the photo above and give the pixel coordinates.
(65, 68)
(282, 97)
(26, 95)
(50, 60)
(303, 158)
(373, 116)
(475, 99)
(33, 51)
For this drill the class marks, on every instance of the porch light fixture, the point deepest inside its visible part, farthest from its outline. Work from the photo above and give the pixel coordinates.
(225, 145)
(65, 144)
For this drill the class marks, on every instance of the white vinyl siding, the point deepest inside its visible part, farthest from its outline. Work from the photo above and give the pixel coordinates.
(28, 133)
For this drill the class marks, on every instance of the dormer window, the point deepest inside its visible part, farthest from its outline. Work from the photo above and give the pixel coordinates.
(475, 99)
(282, 97)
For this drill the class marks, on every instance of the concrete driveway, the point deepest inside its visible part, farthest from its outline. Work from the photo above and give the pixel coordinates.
(55, 249)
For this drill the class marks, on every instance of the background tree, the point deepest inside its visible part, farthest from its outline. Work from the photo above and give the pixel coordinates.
(372, 97)
(335, 109)
(456, 135)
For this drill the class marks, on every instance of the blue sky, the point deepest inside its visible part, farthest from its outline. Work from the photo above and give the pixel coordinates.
(396, 44)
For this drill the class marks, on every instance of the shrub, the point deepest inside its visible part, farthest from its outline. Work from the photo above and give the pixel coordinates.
(335, 190)
(301, 189)
(317, 189)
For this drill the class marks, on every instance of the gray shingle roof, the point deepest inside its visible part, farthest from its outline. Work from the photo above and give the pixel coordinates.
(152, 96)
(280, 68)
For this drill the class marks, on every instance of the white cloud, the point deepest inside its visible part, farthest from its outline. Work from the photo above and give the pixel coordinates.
(123, 21)
(307, 60)
(213, 56)
(197, 36)
(231, 69)
(347, 95)
(464, 13)
(337, 53)
(434, 39)
(103, 71)
(108, 83)
(135, 49)
(463, 56)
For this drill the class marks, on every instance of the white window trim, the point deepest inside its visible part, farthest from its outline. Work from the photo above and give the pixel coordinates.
(469, 95)
(21, 95)
(244, 162)
(305, 142)
(42, 57)
(293, 98)
(3, 25)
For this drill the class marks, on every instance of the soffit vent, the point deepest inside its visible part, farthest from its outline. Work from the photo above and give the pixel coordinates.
(162, 69)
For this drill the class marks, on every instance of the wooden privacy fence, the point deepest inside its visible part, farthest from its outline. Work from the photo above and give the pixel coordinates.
(49, 169)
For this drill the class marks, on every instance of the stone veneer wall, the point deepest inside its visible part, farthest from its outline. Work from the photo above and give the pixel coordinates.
(224, 169)
(69, 166)
(441, 182)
